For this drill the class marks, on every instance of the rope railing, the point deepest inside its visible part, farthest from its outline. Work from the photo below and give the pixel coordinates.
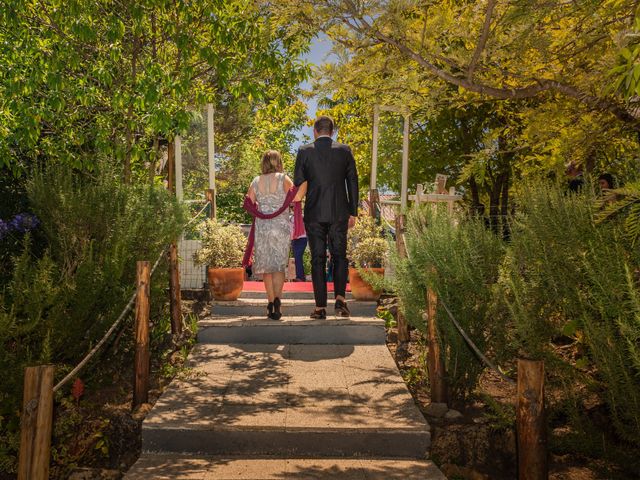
(472, 345)
(73, 373)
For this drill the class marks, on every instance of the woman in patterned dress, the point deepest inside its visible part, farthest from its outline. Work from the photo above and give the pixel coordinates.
(271, 251)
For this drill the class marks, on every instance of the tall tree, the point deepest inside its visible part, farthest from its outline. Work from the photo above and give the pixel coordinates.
(84, 79)
(502, 50)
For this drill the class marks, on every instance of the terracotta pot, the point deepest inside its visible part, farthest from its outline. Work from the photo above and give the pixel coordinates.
(225, 283)
(360, 289)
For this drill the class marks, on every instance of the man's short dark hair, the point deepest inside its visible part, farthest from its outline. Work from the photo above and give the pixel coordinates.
(323, 125)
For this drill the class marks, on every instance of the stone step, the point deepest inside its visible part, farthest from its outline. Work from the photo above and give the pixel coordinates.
(288, 401)
(173, 467)
(356, 330)
(257, 307)
(289, 295)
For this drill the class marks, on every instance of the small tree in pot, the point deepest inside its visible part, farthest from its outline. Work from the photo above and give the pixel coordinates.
(367, 250)
(222, 251)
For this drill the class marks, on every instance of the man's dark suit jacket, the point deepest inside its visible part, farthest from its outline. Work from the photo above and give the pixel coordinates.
(329, 169)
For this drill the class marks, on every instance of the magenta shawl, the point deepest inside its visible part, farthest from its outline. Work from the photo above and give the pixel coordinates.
(252, 208)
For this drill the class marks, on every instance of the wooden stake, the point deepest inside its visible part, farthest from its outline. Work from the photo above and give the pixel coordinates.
(171, 167)
(141, 367)
(435, 366)
(403, 327)
(36, 423)
(174, 290)
(531, 422)
(210, 195)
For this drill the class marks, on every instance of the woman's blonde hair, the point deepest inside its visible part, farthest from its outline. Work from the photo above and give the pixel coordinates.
(271, 162)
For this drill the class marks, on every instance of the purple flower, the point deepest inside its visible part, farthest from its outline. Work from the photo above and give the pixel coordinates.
(22, 223)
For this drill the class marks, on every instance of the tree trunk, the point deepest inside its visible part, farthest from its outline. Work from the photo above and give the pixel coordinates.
(154, 160)
(475, 194)
(494, 203)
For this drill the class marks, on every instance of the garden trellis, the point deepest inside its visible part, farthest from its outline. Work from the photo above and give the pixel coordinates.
(420, 196)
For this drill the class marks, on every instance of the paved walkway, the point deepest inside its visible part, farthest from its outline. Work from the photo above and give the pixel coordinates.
(297, 398)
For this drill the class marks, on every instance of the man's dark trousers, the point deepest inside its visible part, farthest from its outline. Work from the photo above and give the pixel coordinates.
(319, 233)
(298, 245)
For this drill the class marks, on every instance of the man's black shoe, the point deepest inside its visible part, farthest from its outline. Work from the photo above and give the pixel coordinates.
(319, 314)
(341, 309)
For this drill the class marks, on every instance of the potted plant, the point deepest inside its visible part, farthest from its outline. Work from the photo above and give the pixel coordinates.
(367, 250)
(222, 251)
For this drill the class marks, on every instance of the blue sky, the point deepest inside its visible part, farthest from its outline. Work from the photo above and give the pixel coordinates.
(318, 54)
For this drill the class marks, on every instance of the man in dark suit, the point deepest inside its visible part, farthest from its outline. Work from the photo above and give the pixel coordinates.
(326, 171)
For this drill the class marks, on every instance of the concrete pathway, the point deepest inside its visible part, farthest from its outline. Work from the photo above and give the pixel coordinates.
(296, 398)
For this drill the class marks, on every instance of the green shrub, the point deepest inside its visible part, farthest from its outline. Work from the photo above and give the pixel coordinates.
(366, 246)
(222, 245)
(54, 307)
(459, 258)
(567, 281)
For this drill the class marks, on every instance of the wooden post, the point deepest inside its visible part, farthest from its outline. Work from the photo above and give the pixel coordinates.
(177, 165)
(374, 148)
(403, 328)
(211, 150)
(171, 167)
(435, 366)
(36, 423)
(374, 203)
(210, 195)
(174, 290)
(419, 193)
(531, 422)
(141, 375)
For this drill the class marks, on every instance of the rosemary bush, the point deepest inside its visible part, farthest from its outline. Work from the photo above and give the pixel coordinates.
(56, 304)
(566, 289)
(459, 258)
(568, 282)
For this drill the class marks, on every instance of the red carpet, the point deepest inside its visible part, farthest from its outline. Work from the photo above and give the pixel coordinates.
(288, 287)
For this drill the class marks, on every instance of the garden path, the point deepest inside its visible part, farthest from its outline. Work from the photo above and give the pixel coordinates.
(297, 398)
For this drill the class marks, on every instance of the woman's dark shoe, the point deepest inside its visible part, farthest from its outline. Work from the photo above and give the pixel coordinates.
(270, 313)
(319, 314)
(277, 314)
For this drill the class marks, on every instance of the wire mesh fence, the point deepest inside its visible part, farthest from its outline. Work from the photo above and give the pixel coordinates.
(192, 275)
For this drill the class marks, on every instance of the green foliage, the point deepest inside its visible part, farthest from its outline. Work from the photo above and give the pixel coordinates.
(567, 281)
(366, 246)
(564, 289)
(306, 260)
(623, 202)
(626, 73)
(459, 259)
(56, 306)
(387, 316)
(222, 245)
(85, 81)
(501, 417)
(522, 104)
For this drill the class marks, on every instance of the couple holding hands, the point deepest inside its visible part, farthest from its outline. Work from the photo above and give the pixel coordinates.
(326, 178)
